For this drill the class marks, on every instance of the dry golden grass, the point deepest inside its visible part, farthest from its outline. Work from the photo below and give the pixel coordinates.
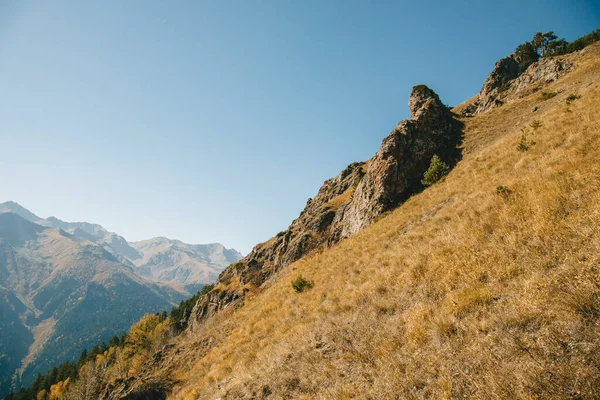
(459, 293)
(343, 198)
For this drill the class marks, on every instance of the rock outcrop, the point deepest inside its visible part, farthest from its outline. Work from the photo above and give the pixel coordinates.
(542, 72)
(497, 82)
(401, 160)
(347, 203)
(508, 81)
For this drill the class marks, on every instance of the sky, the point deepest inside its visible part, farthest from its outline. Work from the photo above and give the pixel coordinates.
(215, 121)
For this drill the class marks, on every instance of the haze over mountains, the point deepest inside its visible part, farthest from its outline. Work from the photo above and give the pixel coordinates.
(67, 286)
(180, 263)
(162, 259)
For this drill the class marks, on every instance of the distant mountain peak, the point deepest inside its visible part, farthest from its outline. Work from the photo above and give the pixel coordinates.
(163, 259)
(16, 229)
(171, 260)
(16, 208)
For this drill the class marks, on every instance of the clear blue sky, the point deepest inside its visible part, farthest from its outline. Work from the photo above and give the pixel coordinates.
(215, 120)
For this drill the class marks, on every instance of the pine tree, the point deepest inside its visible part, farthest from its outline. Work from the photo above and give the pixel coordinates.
(437, 169)
(526, 54)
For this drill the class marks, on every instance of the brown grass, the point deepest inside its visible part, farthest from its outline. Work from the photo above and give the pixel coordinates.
(459, 293)
(486, 296)
(343, 198)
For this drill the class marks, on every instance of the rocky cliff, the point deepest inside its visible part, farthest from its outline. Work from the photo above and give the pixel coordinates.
(508, 81)
(350, 201)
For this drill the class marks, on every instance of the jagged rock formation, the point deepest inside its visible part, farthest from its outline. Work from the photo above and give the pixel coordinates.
(508, 81)
(348, 202)
(421, 291)
(497, 82)
(544, 71)
(402, 158)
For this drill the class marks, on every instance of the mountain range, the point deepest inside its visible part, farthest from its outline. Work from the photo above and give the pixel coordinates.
(185, 266)
(66, 286)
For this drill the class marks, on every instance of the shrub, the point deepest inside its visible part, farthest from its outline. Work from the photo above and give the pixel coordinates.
(301, 283)
(437, 170)
(503, 190)
(141, 333)
(572, 97)
(505, 84)
(526, 55)
(524, 144)
(535, 124)
(548, 95)
(580, 43)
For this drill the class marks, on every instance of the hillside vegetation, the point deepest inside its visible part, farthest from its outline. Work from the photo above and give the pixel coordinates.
(60, 294)
(67, 286)
(467, 289)
(484, 285)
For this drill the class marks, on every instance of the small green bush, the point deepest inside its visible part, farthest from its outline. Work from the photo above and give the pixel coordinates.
(535, 124)
(301, 283)
(437, 170)
(505, 84)
(503, 190)
(548, 95)
(572, 97)
(524, 143)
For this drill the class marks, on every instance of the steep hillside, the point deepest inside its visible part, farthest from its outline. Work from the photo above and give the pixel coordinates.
(60, 294)
(484, 285)
(352, 200)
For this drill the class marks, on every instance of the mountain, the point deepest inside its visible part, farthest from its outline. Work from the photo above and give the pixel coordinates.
(185, 266)
(173, 261)
(11, 206)
(482, 285)
(65, 286)
(112, 242)
(60, 294)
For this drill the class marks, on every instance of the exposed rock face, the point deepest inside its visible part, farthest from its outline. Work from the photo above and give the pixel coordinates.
(348, 202)
(401, 160)
(505, 70)
(508, 81)
(543, 72)
(497, 81)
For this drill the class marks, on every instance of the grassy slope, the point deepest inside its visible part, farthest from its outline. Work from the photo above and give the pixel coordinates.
(459, 292)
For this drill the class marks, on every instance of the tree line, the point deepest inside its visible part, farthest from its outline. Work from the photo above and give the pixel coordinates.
(547, 44)
(69, 371)
(66, 370)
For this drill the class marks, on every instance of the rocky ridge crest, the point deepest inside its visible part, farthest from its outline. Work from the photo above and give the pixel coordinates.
(347, 203)
(508, 81)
